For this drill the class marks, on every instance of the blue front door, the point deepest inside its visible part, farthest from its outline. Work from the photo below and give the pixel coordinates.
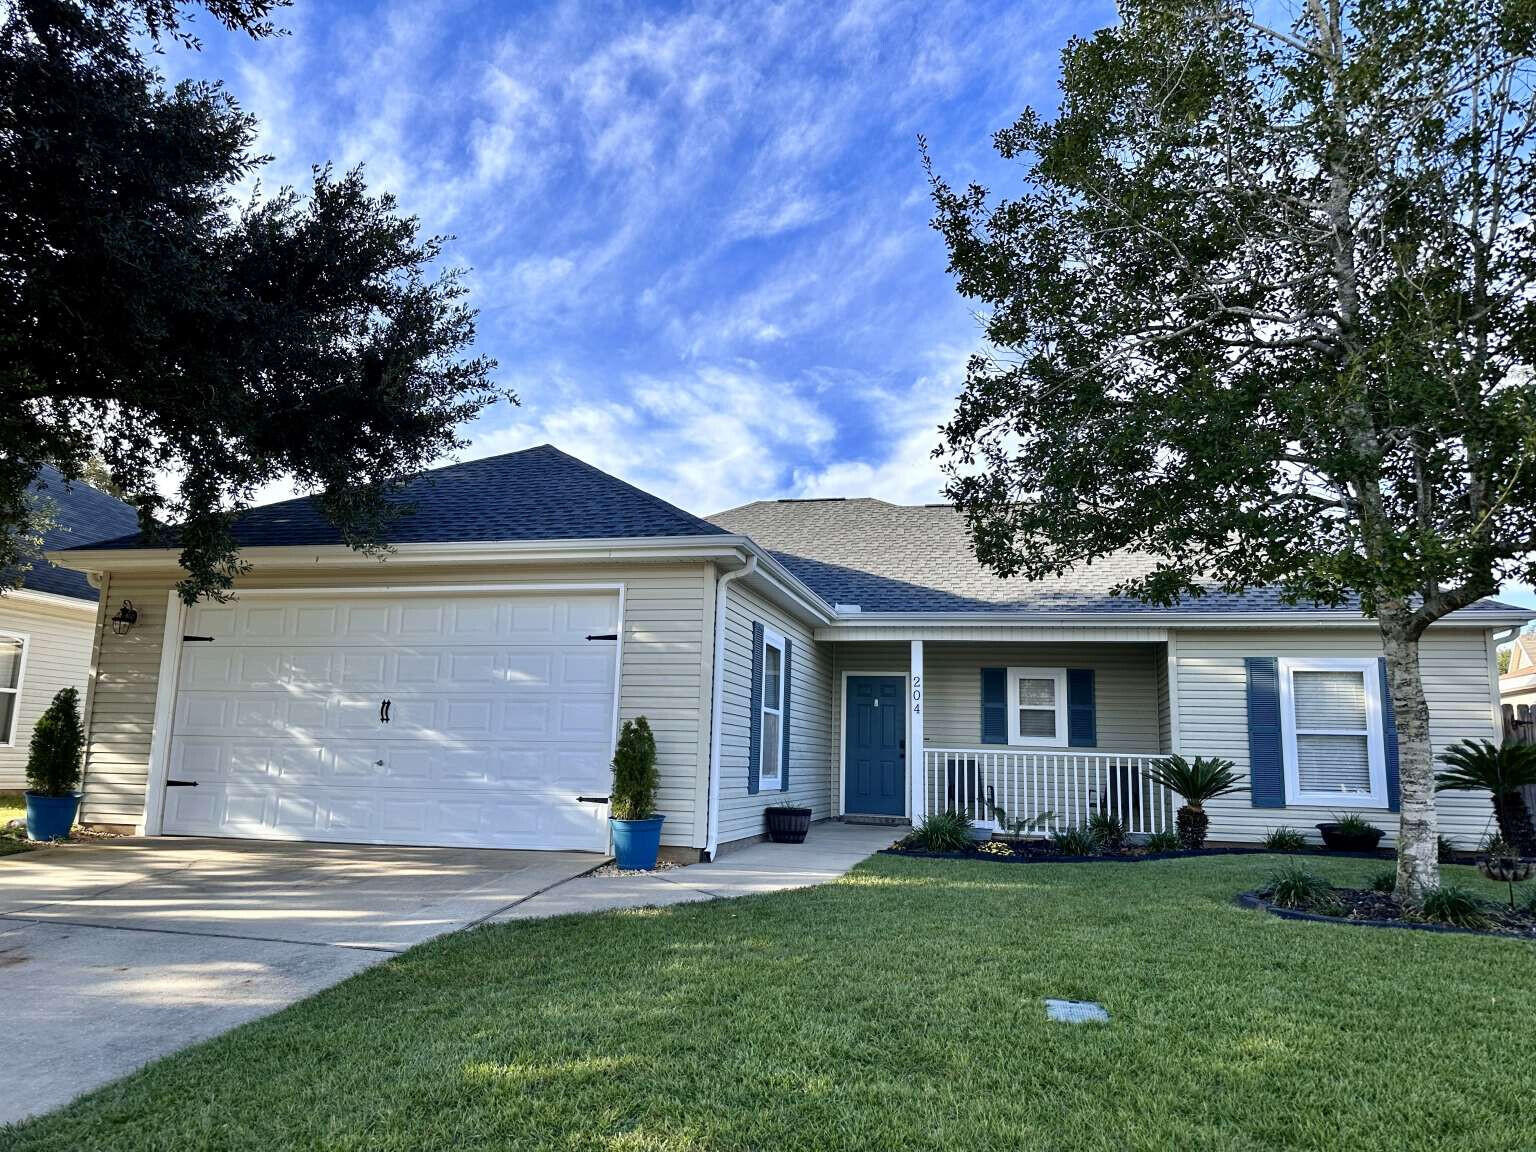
(875, 746)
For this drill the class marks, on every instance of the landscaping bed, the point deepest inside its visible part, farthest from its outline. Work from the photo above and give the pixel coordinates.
(1039, 851)
(1294, 893)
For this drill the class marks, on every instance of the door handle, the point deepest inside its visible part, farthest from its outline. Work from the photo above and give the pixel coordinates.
(384, 712)
(181, 783)
(592, 799)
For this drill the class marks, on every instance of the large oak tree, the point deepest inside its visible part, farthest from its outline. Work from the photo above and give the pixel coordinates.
(1263, 305)
(151, 319)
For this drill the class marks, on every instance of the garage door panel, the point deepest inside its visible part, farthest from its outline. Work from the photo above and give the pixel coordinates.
(549, 820)
(501, 716)
(363, 668)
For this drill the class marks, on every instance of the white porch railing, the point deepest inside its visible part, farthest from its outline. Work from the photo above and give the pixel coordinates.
(1070, 786)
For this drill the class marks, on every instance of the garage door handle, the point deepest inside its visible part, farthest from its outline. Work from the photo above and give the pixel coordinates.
(181, 783)
(384, 712)
(603, 636)
(592, 799)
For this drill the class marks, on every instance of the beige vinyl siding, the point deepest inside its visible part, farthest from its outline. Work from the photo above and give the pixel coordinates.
(1213, 715)
(58, 656)
(123, 704)
(1125, 689)
(810, 719)
(1127, 699)
(664, 670)
(1164, 705)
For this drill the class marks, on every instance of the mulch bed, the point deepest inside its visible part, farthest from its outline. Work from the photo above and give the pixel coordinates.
(1370, 909)
(1043, 852)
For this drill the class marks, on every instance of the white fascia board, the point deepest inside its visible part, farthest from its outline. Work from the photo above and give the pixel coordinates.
(724, 547)
(854, 623)
(50, 599)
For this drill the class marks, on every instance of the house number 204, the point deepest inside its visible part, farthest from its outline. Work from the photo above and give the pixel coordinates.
(917, 693)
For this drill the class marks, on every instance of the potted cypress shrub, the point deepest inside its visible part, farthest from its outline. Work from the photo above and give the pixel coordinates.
(53, 768)
(632, 809)
(787, 823)
(1206, 778)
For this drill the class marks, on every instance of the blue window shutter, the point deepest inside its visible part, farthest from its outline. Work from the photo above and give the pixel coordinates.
(994, 705)
(1389, 738)
(789, 653)
(1266, 760)
(1082, 721)
(755, 703)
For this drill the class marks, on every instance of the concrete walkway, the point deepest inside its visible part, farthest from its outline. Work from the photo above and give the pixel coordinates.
(829, 851)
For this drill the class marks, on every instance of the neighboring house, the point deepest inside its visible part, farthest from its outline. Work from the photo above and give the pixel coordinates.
(1517, 686)
(48, 624)
(467, 690)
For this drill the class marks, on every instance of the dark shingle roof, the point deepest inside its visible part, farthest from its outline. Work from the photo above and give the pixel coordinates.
(536, 494)
(899, 558)
(82, 515)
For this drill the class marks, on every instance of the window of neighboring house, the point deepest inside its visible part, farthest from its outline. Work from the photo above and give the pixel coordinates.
(773, 707)
(13, 660)
(1037, 707)
(1331, 714)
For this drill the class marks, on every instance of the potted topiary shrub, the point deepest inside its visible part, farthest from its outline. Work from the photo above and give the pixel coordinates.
(53, 768)
(632, 808)
(1205, 779)
(1350, 833)
(787, 823)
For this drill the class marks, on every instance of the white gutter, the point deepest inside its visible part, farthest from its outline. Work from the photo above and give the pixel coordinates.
(849, 624)
(717, 703)
(53, 599)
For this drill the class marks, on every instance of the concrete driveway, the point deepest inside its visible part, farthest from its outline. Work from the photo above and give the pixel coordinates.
(112, 955)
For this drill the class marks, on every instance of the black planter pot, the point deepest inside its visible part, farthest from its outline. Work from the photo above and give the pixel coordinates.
(787, 825)
(1341, 841)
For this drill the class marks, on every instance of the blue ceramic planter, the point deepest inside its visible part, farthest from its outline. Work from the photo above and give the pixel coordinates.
(636, 843)
(50, 817)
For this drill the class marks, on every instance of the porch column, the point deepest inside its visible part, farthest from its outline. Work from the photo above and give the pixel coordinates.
(916, 768)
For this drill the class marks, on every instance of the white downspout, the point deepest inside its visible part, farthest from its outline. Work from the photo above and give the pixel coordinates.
(717, 704)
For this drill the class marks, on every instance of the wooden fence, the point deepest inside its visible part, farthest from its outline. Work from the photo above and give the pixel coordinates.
(1520, 728)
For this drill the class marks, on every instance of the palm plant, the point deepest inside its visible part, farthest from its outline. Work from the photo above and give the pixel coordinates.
(1204, 778)
(1478, 765)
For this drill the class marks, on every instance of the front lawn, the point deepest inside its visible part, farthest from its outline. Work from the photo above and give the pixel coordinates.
(12, 807)
(898, 1009)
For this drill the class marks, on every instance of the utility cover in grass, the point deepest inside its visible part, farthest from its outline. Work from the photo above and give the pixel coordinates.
(1075, 1012)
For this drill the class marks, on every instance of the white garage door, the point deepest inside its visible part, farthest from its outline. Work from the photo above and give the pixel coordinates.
(472, 720)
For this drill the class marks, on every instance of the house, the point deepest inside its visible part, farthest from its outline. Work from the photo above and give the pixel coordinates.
(849, 655)
(1517, 685)
(48, 624)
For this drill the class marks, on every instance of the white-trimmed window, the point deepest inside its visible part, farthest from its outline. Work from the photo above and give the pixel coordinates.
(1330, 711)
(1037, 707)
(771, 728)
(13, 663)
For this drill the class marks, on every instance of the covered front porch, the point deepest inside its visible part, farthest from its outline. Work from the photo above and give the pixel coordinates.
(1037, 733)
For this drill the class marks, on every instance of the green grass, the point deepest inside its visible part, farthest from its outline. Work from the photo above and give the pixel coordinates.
(897, 1009)
(12, 807)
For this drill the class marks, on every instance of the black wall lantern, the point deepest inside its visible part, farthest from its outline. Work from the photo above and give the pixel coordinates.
(127, 616)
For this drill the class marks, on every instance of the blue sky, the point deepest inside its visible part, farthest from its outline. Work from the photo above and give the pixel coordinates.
(698, 234)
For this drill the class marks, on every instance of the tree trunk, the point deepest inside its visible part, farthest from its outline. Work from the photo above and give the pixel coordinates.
(1418, 838)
